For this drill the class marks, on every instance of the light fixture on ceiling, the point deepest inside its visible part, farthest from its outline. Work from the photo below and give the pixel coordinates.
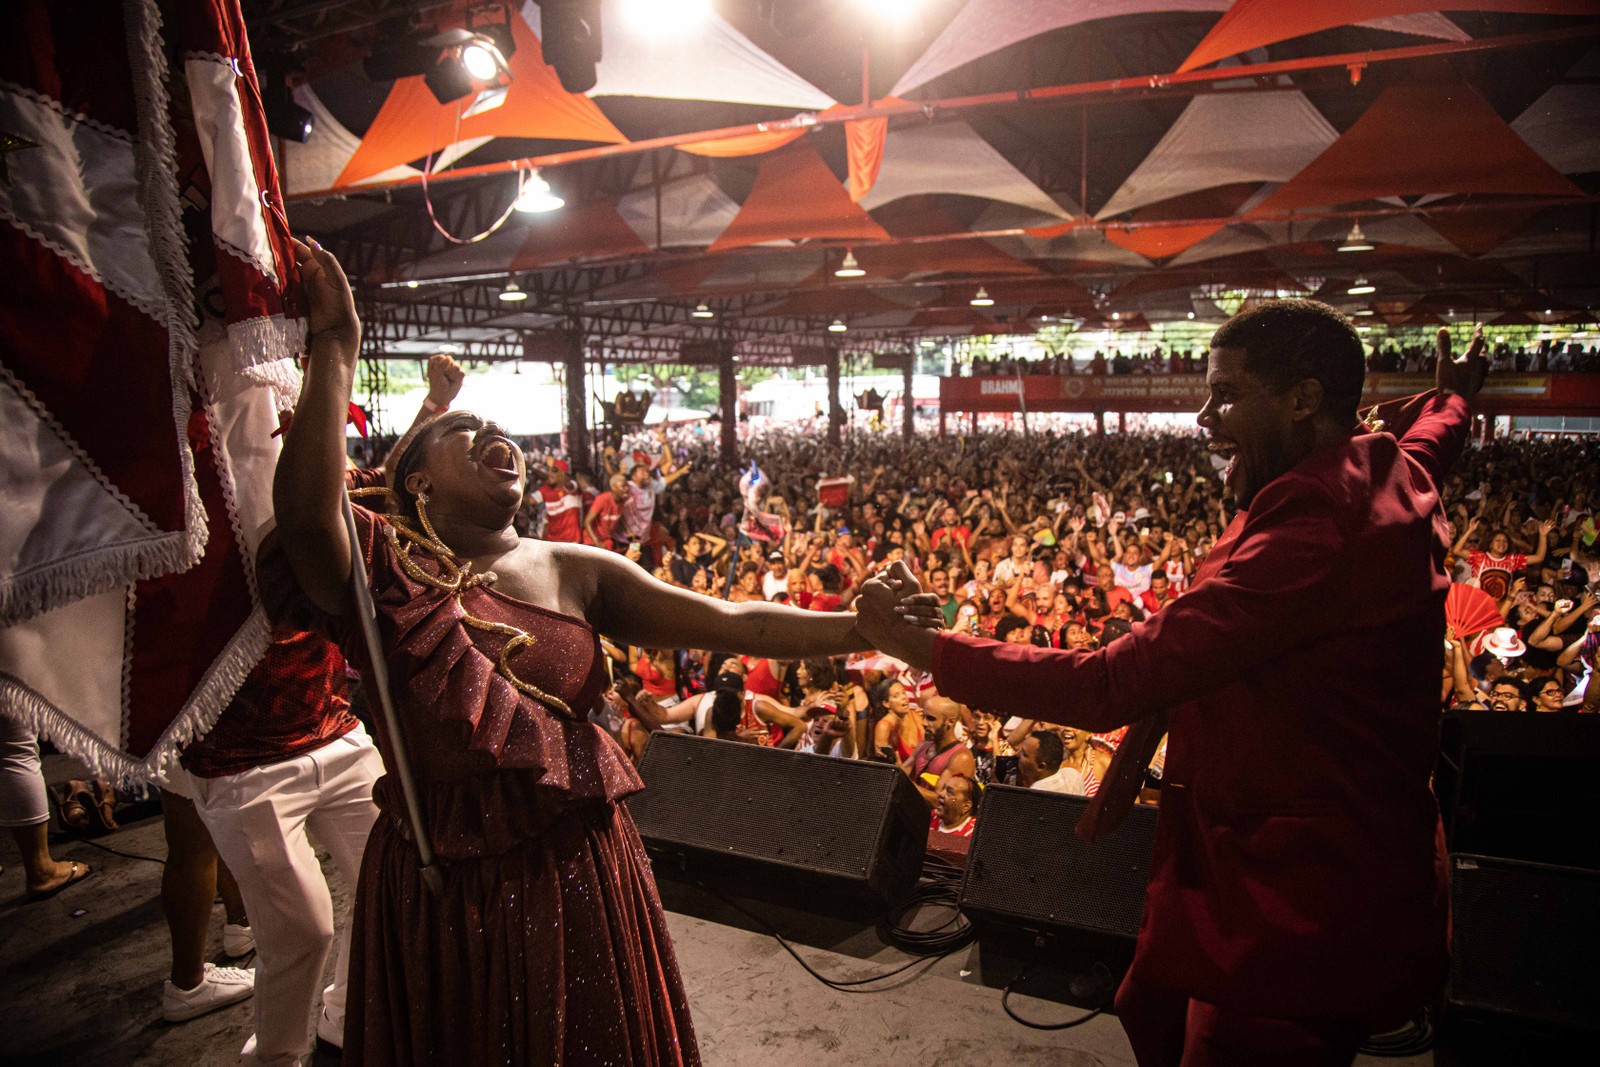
(848, 267)
(1116, 316)
(412, 284)
(928, 342)
(1361, 288)
(1365, 311)
(1191, 315)
(837, 326)
(1355, 240)
(512, 292)
(536, 194)
(982, 299)
(701, 311)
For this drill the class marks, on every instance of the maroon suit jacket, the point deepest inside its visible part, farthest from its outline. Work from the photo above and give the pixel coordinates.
(1299, 866)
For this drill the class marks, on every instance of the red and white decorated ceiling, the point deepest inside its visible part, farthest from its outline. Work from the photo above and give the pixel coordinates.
(1071, 157)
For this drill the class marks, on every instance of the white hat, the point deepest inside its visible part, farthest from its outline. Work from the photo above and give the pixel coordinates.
(1504, 642)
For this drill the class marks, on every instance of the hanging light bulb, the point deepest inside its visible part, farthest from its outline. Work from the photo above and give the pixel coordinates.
(702, 312)
(837, 326)
(1361, 288)
(982, 299)
(536, 195)
(848, 267)
(1355, 240)
(512, 292)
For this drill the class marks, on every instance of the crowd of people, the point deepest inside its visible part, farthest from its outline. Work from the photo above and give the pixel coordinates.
(1389, 357)
(1063, 540)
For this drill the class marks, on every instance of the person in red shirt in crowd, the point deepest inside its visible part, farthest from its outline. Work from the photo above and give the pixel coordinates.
(1493, 569)
(563, 505)
(601, 526)
(952, 808)
(951, 529)
(1159, 595)
(1298, 897)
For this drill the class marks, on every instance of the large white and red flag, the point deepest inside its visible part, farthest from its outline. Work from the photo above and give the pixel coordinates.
(149, 320)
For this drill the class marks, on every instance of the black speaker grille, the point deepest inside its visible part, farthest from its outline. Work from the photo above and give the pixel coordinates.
(1526, 940)
(1028, 866)
(824, 814)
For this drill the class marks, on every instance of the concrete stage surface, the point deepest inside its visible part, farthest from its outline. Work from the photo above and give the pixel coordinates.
(80, 982)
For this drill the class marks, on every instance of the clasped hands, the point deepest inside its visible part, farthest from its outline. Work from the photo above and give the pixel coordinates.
(894, 615)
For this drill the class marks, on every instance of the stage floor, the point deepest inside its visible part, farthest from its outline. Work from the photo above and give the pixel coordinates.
(80, 983)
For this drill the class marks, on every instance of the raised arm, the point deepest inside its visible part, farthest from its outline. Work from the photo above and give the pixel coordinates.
(308, 487)
(631, 605)
(1460, 547)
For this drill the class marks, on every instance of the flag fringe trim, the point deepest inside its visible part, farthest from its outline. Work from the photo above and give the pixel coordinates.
(156, 157)
(211, 698)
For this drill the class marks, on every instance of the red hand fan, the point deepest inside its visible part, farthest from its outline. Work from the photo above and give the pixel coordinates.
(1468, 610)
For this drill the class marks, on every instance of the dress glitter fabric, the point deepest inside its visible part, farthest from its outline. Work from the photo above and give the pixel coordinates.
(548, 944)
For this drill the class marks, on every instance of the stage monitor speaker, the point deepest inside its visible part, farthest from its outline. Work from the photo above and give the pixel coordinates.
(1525, 940)
(800, 829)
(1028, 868)
(1521, 786)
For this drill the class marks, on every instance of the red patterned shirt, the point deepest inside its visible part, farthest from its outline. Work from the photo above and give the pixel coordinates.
(291, 703)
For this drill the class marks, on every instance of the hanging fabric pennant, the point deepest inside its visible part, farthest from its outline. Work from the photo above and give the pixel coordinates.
(134, 410)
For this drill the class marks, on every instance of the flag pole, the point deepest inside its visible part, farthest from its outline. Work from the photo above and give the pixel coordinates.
(367, 613)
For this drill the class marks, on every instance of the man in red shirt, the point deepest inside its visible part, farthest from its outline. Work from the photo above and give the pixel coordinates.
(563, 507)
(1298, 893)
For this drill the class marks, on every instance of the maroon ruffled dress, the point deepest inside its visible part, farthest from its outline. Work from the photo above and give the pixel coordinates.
(548, 944)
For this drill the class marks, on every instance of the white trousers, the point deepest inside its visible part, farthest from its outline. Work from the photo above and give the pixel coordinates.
(258, 820)
(22, 797)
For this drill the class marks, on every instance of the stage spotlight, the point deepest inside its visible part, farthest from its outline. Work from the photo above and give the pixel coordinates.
(467, 66)
(536, 196)
(285, 118)
(848, 267)
(572, 41)
(702, 312)
(982, 299)
(512, 292)
(837, 326)
(889, 10)
(1361, 288)
(1356, 241)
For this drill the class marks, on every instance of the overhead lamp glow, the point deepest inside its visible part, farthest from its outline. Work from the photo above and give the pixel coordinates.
(837, 326)
(1356, 241)
(665, 18)
(848, 267)
(1361, 288)
(701, 311)
(889, 10)
(536, 195)
(927, 342)
(1191, 315)
(512, 292)
(1365, 311)
(982, 299)
(481, 58)
(412, 284)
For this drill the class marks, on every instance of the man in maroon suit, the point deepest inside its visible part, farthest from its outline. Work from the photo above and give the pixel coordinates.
(1298, 890)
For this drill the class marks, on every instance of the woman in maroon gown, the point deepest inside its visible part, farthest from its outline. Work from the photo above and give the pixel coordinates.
(547, 944)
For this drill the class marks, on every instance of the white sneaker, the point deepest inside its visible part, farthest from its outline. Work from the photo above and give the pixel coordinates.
(219, 987)
(329, 1031)
(237, 941)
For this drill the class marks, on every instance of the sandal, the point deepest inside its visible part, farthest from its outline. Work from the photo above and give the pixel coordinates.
(105, 805)
(79, 872)
(72, 802)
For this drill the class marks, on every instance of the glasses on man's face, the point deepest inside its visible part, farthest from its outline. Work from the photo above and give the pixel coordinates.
(1505, 694)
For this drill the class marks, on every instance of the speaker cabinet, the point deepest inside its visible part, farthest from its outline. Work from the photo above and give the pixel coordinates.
(1525, 940)
(1028, 868)
(1521, 786)
(800, 829)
